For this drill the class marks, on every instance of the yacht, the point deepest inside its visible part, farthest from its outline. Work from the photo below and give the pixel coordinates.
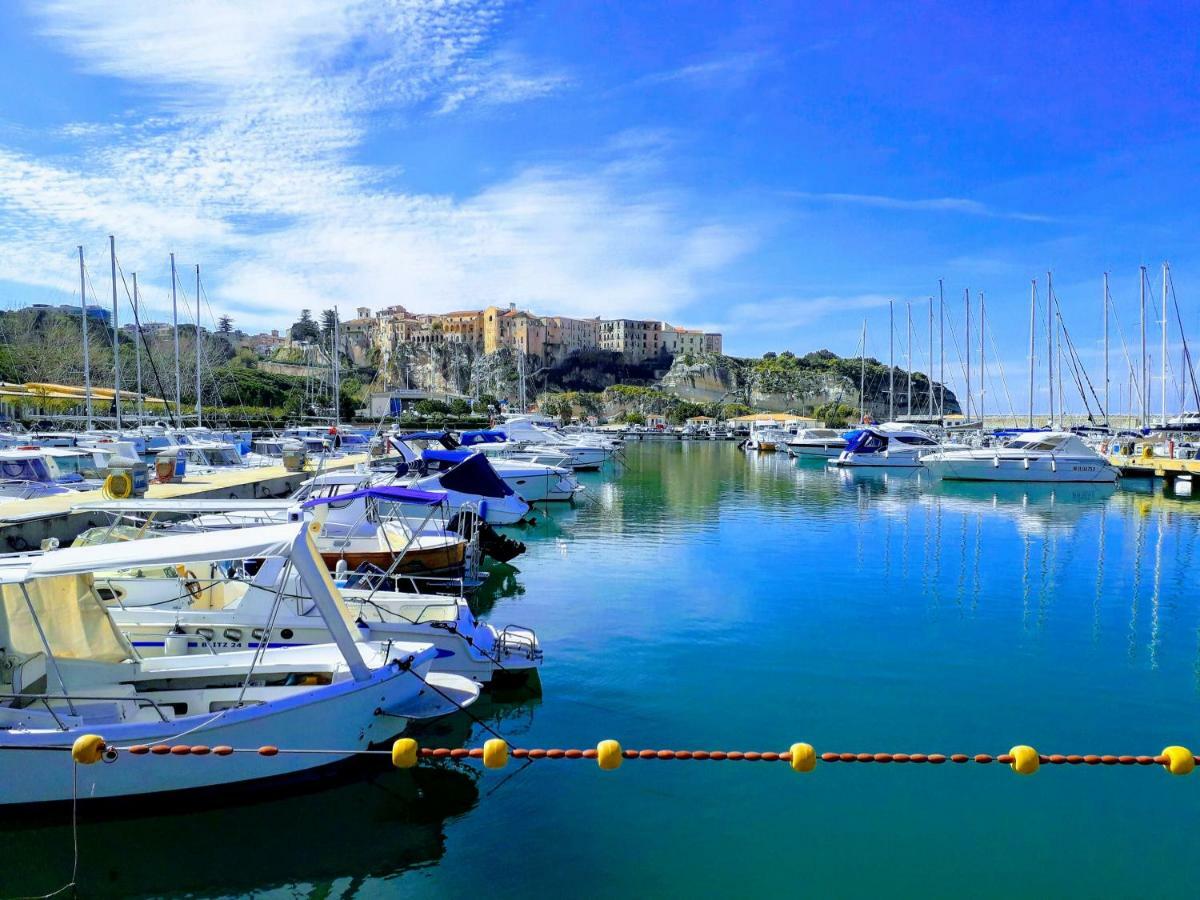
(816, 443)
(1041, 456)
(890, 445)
(535, 477)
(766, 435)
(68, 673)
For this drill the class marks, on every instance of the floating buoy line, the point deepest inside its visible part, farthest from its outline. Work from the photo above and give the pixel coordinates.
(609, 754)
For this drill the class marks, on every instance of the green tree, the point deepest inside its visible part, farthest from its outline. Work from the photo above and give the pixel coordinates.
(836, 415)
(683, 411)
(328, 322)
(225, 325)
(305, 329)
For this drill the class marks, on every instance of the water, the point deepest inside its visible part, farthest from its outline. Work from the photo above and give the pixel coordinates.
(711, 600)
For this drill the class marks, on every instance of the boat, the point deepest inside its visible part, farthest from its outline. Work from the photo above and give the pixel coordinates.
(28, 472)
(68, 673)
(766, 436)
(586, 452)
(525, 472)
(816, 443)
(1044, 456)
(892, 445)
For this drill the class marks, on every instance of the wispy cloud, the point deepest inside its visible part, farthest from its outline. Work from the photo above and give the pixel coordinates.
(730, 70)
(959, 205)
(244, 157)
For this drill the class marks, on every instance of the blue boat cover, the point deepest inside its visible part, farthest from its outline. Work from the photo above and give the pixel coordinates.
(423, 436)
(390, 493)
(450, 456)
(475, 475)
(865, 441)
(483, 437)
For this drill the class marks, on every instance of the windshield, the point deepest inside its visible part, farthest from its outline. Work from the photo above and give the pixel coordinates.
(1035, 444)
(31, 469)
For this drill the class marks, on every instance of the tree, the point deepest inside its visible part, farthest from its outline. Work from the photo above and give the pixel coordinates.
(681, 412)
(328, 322)
(836, 415)
(305, 329)
(225, 325)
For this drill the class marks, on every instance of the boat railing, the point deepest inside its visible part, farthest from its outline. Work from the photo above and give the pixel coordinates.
(46, 699)
(519, 639)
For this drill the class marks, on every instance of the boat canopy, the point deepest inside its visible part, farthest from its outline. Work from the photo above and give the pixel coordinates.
(390, 493)
(450, 456)
(865, 441)
(67, 612)
(470, 438)
(475, 475)
(424, 436)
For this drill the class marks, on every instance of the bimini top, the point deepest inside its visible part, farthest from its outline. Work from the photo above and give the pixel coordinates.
(447, 456)
(470, 438)
(390, 493)
(241, 543)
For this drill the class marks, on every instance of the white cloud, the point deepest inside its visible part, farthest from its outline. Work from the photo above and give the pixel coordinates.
(242, 158)
(960, 205)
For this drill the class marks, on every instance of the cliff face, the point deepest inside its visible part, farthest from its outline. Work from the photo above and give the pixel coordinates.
(798, 383)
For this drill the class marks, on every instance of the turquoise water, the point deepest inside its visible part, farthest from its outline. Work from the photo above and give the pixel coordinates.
(706, 599)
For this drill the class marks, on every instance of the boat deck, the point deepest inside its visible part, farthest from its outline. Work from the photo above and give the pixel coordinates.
(1155, 466)
(25, 523)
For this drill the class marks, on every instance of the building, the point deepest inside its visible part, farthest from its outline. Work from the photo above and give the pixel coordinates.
(635, 339)
(463, 327)
(712, 343)
(565, 336)
(680, 341)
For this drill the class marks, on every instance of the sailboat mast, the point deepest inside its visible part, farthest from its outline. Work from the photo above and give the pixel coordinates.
(137, 351)
(87, 365)
(908, 401)
(175, 330)
(1143, 393)
(930, 379)
(941, 350)
(1032, 337)
(982, 365)
(1050, 341)
(891, 363)
(1107, 406)
(337, 375)
(112, 257)
(967, 304)
(1164, 346)
(197, 345)
(862, 375)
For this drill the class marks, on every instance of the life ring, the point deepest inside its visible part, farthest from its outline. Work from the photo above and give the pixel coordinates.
(192, 583)
(118, 486)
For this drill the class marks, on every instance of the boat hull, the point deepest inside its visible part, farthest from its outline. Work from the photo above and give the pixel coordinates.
(417, 561)
(1014, 469)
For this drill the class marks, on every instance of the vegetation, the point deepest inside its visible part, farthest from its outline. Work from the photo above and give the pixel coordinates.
(836, 415)
(305, 329)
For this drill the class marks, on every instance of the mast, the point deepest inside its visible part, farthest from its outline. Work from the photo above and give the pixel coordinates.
(1050, 341)
(87, 365)
(891, 363)
(1107, 406)
(908, 401)
(1164, 346)
(175, 329)
(112, 256)
(941, 351)
(862, 376)
(967, 303)
(982, 365)
(1032, 335)
(197, 345)
(137, 351)
(337, 375)
(930, 379)
(1145, 370)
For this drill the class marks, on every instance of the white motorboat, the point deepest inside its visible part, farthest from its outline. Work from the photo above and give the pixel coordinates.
(816, 443)
(27, 472)
(527, 475)
(1038, 456)
(890, 445)
(766, 436)
(66, 671)
(162, 612)
(586, 452)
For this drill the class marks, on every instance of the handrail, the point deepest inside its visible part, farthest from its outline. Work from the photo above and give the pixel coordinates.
(46, 698)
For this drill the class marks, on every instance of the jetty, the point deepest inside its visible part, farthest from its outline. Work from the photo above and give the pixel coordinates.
(1170, 470)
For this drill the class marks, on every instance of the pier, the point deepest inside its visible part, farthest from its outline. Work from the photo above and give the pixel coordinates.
(24, 524)
(1170, 470)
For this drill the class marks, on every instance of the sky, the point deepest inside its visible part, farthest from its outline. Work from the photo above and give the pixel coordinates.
(776, 171)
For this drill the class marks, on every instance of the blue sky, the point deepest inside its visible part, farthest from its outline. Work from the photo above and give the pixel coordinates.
(777, 171)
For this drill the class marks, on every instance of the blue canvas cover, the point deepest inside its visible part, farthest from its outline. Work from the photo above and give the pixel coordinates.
(490, 436)
(475, 475)
(390, 493)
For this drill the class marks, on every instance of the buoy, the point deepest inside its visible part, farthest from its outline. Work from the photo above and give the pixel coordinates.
(118, 486)
(608, 755)
(495, 754)
(87, 749)
(804, 757)
(1025, 760)
(1179, 760)
(404, 753)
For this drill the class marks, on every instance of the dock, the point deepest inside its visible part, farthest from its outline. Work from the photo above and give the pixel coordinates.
(24, 524)
(1170, 470)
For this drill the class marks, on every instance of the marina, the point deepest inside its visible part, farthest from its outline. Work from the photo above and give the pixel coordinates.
(929, 616)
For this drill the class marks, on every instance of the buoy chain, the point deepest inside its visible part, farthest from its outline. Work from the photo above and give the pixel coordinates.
(609, 754)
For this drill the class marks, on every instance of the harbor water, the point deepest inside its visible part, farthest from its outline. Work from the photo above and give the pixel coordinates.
(705, 598)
